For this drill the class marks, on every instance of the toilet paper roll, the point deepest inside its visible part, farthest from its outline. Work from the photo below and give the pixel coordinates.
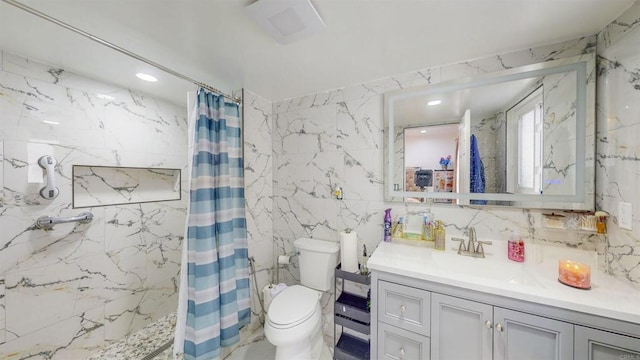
(349, 251)
(284, 259)
(266, 296)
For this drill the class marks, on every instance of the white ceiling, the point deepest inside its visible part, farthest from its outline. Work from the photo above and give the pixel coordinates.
(215, 42)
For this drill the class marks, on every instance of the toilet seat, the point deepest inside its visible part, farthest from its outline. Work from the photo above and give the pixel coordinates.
(293, 306)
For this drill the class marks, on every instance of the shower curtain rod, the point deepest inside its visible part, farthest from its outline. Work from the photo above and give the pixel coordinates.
(118, 48)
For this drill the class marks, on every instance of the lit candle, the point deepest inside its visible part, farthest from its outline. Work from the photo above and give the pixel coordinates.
(574, 274)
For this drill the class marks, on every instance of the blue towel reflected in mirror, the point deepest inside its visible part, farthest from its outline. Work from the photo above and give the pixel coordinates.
(477, 172)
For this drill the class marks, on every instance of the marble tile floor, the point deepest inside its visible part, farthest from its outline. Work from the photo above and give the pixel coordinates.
(144, 342)
(256, 347)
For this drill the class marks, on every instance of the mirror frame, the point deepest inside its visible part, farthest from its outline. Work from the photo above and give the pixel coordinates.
(582, 199)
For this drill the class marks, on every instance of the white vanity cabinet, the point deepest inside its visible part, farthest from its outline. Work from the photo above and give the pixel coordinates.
(418, 319)
(464, 329)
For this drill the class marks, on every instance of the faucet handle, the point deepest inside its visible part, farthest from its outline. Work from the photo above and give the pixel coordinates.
(480, 248)
(461, 247)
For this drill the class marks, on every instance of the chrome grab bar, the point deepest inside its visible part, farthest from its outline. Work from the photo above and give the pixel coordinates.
(47, 222)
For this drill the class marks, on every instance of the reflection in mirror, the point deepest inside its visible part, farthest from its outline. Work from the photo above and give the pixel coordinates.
(516, 137)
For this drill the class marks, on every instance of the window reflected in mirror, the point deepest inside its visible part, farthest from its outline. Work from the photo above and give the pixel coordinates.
(518, 137)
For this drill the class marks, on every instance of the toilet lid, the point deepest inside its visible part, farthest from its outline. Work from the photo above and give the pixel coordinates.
(293, 305)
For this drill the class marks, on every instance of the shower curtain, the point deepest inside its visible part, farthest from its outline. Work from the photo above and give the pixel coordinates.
(214, 291)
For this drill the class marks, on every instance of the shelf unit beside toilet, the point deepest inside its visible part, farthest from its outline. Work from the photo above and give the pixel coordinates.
(351, 312)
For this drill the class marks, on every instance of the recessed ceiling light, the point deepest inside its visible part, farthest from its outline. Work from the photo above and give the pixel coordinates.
(50, 122)
(423, 131)
(105, 97)
(146, 77)
(434, 102)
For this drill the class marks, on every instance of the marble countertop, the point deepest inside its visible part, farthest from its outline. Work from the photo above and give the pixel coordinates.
(535, 280)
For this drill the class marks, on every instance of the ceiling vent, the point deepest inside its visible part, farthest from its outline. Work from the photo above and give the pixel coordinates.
(286, 20)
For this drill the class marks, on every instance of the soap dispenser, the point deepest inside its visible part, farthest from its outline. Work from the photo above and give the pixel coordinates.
(440, 237)
(515, 247)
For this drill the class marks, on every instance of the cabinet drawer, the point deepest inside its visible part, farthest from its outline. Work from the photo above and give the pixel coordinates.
(405, 307)
(395, 343)
(353, 307)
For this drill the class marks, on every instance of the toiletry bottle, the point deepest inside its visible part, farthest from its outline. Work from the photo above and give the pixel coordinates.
(387, 225)
(515, 247)
(427, 227)
(398, 230)
(364, 270)
(440, 237)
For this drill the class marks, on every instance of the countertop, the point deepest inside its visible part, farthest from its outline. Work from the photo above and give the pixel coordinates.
(535, 280)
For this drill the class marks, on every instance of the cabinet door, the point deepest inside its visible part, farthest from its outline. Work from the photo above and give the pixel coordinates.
(460, 329)
(521, 336)
(592, 344)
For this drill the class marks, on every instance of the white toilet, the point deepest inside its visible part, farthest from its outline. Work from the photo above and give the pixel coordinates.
(294, 317)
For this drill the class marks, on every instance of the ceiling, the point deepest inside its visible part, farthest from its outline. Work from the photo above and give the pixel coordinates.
(215, 42)
(484, 102)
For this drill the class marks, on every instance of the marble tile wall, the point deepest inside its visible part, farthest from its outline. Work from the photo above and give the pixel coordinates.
(102, 185)
(67, 292)
(258, 173)
(618, 144)
(335, 138)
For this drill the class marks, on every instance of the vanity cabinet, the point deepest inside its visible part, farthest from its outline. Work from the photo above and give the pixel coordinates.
(417, 319)
(593, 344)
(464, 329)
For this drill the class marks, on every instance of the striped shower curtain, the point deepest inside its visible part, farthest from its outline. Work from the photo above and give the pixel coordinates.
(218, 302)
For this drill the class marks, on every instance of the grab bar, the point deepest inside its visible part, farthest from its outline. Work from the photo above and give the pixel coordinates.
(47, 222)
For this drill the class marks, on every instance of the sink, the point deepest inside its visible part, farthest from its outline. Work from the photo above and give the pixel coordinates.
(489, 268)
(423, 259)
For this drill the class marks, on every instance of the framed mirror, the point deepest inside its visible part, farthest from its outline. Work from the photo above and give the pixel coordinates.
(521, 137)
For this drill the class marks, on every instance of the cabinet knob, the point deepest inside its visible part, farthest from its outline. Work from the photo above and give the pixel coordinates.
(402, 308)
(402, 351)
(488, 324)
(499, 327)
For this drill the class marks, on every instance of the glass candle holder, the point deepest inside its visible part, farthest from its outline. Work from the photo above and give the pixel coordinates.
(574, 274)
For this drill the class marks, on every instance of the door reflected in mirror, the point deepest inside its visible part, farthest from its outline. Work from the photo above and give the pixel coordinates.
(517, 137)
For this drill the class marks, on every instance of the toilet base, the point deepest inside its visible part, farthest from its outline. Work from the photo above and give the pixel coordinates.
(309, 348)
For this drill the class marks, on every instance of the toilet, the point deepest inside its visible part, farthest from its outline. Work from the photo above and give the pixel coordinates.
(294, 317)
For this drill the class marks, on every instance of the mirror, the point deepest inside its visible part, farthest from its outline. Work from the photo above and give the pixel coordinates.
(520, 137)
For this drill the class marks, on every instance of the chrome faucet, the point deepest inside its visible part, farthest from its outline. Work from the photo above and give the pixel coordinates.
(472, 239)
(473, 247)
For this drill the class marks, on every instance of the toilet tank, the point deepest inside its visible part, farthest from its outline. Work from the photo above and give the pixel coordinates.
(318, 259)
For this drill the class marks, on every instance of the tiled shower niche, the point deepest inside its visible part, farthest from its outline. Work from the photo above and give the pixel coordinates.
(107, 185)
